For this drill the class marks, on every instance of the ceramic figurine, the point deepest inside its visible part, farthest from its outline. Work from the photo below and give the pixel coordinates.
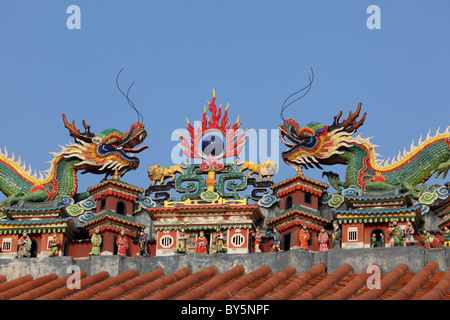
(142, 242)
(122, 244)
(409, 234)
(426, 239)
(54, 245)
(382, 241)
(258, 238)
(182, 237)
(96, 241)
(373, 241)
(276, 240)
(447, 236)
(201, 245)
(24, 246)
(336, 236)
(323, 240)
(218, 237)
(304, 237)
(396, 234)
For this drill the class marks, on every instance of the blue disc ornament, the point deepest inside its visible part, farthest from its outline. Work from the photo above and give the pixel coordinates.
(212, 144)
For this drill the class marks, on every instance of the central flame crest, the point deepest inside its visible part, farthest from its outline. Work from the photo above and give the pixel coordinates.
(215, 137)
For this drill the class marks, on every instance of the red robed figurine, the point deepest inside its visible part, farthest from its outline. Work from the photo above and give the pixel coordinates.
(201, 245)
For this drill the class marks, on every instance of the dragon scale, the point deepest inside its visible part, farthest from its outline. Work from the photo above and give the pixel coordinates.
(414, 168)
(60, 179)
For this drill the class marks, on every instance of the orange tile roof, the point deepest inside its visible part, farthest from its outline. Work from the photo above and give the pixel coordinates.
(300, 177)
(236, 284)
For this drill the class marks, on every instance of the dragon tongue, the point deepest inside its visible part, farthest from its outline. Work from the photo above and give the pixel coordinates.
(131, 150)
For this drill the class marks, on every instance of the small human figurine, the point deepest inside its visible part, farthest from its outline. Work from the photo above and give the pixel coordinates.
(373, 241)
(142, 242)
(122, 244)
(447, 236)
(396, 234)
(24, 246)
(382, 241)
(182, 237)
(409, 234)
(96, 241)
(336, 235)
(323, 240)
(426, 239)
(276, 240)
(201, 244)
(258, 238)
(218, 237)
(276, 244)
(54, 245)
(304, 237)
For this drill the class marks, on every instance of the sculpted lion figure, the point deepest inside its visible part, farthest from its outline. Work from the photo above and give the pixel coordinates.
(264, 169)
(157, 173)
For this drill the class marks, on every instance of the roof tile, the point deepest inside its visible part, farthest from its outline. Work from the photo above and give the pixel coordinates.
(103, 285)
(236, 284)
(155, 285)
(66, 290)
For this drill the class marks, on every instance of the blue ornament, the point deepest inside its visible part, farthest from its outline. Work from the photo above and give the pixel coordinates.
(212, 145)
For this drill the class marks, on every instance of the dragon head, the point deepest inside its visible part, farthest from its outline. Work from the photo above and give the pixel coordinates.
(315, 143)
(106, 152)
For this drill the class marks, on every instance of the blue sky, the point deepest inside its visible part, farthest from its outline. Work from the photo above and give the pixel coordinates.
(253, 53)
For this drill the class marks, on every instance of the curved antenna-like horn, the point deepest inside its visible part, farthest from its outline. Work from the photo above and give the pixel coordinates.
(127, 97)
(284, 106)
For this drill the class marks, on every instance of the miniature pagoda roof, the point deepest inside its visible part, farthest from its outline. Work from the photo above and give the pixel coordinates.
(404, 199)
(379, 214)
(443, 211)
(294, 217)
(442, 207)
(115, 187)
(40, 226)
(299, 182)
(114, 221)
(379, 211)
(26, 213)
(34, 210)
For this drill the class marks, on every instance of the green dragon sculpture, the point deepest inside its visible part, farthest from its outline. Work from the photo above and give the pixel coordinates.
(108, 152)
(317, 144)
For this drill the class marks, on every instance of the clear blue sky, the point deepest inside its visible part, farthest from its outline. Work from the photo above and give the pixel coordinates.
(254, 53)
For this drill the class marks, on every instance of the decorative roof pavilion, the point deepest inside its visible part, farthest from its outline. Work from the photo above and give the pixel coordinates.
(299, 205)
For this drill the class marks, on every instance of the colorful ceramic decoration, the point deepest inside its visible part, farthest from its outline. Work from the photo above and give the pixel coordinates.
(212, 180)
(265, 169)
(54, 245)
(122, 244)
(24, 243)
(216, 137)
(108, 152)
(317, 144)
(96, 240)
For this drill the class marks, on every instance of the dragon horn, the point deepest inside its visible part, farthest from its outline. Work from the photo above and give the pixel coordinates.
(87, 128)
(349, 124)
(75, 133)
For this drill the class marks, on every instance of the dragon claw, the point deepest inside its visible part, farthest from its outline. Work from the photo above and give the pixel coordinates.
(442, 169)
(333, 178)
